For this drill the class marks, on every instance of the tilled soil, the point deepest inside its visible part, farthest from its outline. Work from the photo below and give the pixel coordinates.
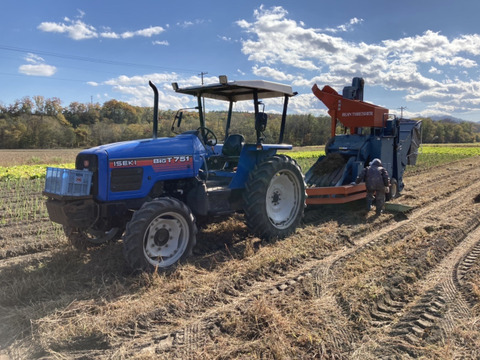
(347, 285)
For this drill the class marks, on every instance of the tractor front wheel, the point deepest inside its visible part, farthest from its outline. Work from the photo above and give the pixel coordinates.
(274, 197)
(161, 234)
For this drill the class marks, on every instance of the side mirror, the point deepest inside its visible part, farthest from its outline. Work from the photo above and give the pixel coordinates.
(261, 122)
(178, 118)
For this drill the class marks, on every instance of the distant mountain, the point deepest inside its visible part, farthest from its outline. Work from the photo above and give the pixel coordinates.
(447, 118)
(453, 120)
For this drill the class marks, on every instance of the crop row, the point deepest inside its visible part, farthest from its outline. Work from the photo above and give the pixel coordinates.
(27, 171)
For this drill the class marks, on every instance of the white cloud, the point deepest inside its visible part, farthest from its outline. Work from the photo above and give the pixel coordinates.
(75, 29)
(36, 66)
(409, 65)
(186, 24)
(109, 35)
(268, 72)
(143, 96)
(225, 38)
(34, 59)
(37, 70)
(78, 30)
(148, 32)
(306, 104)
(344, 27)
(164, 42)
(141, 80)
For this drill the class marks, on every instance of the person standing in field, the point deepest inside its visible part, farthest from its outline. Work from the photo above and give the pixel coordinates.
(377, 183)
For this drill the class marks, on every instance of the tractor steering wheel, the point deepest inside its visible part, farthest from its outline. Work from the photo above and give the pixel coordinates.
(208, 140)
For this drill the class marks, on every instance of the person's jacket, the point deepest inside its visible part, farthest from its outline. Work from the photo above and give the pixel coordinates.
(375, 177)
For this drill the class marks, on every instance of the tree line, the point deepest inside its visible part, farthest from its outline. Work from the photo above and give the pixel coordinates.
(37, 122)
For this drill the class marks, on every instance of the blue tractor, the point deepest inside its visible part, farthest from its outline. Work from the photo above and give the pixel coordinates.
(150, 191)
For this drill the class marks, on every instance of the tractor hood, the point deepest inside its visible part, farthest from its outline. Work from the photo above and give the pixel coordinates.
(187, 144)
(129, 170)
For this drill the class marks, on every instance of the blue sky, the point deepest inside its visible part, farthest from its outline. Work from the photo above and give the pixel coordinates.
(422, 55)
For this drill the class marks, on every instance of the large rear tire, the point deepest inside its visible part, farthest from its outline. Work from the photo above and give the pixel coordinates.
(274, 197)
(161, 234)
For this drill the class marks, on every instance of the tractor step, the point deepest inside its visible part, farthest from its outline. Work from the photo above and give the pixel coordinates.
(219, 200)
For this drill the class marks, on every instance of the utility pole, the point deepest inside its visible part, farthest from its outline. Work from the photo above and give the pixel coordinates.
(401, 111)
(201, 74)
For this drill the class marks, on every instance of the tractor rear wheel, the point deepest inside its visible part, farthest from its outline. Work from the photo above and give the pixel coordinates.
(161, 234)
(274, 197)
(83, 239)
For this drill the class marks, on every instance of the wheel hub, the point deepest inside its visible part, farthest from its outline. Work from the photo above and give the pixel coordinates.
(276, 197)
(161, 237)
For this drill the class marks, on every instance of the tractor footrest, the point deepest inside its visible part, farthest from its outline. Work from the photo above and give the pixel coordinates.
(336, 194)
(219, 201)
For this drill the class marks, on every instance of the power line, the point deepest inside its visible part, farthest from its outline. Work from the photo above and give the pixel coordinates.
(90, 59)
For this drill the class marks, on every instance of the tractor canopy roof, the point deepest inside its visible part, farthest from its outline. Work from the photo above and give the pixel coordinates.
(238, 90)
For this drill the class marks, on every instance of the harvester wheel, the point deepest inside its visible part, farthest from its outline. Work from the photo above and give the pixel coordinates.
(393, 189)
(274, 197)
(83, 239)
(161, 234)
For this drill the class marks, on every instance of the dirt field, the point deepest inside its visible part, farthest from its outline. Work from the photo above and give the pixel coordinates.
(38, 156)
(347, 285)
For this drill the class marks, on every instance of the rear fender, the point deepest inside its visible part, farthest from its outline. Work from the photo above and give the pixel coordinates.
(250, 156)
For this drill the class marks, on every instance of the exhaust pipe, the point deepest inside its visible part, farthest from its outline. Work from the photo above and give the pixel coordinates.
(155, 109)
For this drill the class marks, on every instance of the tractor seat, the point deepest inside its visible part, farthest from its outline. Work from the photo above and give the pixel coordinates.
(233, 145)
(231, 150)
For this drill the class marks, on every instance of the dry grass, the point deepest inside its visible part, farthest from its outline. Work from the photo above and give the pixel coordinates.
(82, 298)
(37, 156)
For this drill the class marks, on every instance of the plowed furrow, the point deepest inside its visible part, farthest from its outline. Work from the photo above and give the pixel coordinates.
(6, 227)
(461, 271)
(451, 172)
(440, 306)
